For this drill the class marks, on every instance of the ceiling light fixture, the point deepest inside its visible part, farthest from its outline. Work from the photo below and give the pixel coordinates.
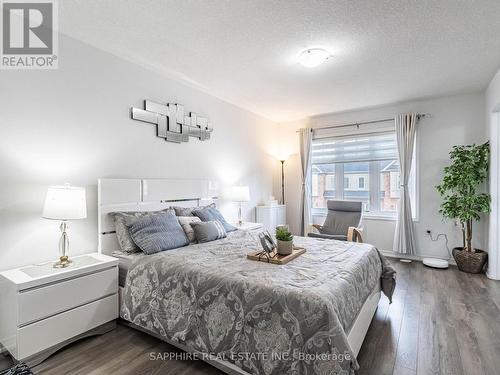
(313, 57)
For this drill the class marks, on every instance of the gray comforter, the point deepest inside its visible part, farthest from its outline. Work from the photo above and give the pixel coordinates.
(264, 318)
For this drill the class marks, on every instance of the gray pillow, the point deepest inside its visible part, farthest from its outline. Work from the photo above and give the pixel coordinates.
(213, 214)
(207, 231)
(185, 222)
(155, 233)
(188, 211)
(123, 219)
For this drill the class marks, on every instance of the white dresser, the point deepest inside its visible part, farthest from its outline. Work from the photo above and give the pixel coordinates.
(44, 308)
(271, 216)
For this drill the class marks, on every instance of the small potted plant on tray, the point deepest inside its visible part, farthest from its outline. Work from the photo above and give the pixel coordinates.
(285, 241)
(464, 200)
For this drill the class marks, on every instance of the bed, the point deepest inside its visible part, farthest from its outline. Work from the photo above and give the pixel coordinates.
(309, 316)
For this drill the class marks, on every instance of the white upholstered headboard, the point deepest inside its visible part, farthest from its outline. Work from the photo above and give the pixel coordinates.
(145, 195)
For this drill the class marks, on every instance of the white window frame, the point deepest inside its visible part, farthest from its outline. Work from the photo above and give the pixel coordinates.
(374, 187)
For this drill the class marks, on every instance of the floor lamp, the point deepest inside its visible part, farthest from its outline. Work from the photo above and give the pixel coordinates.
(282, 181)
(282, 160)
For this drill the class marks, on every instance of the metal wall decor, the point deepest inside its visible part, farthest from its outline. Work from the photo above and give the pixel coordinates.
(171, 122)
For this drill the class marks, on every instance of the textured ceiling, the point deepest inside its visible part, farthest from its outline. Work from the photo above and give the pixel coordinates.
(245, 51)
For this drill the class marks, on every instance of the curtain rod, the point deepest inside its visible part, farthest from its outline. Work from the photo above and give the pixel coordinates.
(419, 116)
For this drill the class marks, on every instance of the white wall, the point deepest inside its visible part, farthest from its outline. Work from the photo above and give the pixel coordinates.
(72, 125)
(455, 120)
(493, 94)
(493, 122)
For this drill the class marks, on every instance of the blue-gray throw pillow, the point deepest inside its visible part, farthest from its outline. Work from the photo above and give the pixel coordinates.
(207, 231)
(213, 214)
(155, 233)
(188, 211)
(123, 219)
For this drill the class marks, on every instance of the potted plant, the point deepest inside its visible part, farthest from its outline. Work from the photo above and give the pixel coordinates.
(464, 199)
(285, 241)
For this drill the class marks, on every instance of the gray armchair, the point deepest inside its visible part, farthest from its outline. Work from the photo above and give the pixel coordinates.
(343, 222)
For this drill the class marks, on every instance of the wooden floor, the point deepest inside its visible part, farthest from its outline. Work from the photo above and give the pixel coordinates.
(441, 322)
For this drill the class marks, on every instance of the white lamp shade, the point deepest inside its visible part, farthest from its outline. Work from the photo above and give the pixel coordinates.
(283, 156)
(65, 203)
(241, 194)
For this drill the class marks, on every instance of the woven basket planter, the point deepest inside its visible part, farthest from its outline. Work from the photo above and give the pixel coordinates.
(468, 261)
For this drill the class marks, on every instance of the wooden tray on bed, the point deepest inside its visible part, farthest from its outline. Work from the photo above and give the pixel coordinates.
(276, 258)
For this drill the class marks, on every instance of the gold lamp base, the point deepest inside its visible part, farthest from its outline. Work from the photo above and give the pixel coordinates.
(63, 262)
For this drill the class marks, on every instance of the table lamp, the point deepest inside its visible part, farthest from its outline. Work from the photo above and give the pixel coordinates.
(64, 203)
(240, 194)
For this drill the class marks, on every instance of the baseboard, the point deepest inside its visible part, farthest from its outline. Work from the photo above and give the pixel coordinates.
(418, 258)
(490, 276)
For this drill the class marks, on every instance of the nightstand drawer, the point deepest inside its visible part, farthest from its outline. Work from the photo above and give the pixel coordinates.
(39, 303)
(41, 335)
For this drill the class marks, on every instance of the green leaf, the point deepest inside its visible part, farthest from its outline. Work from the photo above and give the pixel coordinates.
(283, 234)
(463, 183)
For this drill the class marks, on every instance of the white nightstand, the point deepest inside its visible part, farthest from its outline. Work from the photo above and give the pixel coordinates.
(44, 308)
(251, 227)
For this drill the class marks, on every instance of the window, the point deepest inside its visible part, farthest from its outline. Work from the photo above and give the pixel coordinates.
(362, 167)
(324, 183)
(330, 182)
(389, 186)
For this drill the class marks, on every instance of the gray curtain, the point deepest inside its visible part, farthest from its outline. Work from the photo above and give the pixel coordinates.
(404, 240)
(305, 139)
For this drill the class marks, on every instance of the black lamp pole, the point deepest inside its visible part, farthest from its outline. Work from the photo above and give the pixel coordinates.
(282, 181)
